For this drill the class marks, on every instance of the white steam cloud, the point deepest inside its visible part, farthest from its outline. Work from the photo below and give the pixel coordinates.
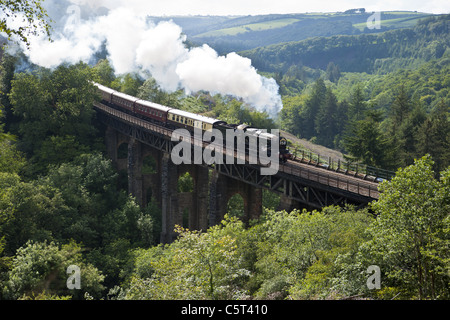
(135, 45)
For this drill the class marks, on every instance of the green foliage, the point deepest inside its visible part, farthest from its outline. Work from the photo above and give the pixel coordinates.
(371, 53)
(104, 72)
(99, 212)
(11, 160)
(39, 268)
(311, 255)
(151, 91)
(298, 247)
(433, 136)
(410, 236)
(185, 183)
(235, 206)
(317, 115)
(395, 72)
(196, 266)
(367, 143)
(54, 108)
(32, 15)
(128, 83)
(29, 211)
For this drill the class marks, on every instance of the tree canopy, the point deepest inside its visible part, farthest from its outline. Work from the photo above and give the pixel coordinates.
(32, 17)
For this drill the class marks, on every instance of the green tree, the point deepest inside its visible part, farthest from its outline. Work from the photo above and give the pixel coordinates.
(11, 160)
(433, 136)
(326, 124)
(196, 266)
(312, 105)
(40, 268)
(7, 68)
(99, 212)
(399, 109)
(151, 91)
(54, 104)
(128, 83)
(366, 143)
(408, 135)
(29, 211)
(32, 15)
(104, 72)
(296, 255)
(333, 73)
(411, 233)
(290, 114)
(357, 106)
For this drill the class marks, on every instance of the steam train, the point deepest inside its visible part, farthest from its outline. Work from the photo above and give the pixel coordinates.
(175, 119)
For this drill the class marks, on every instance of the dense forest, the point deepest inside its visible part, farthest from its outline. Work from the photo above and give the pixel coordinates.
(63, 203)
(383, 99)
(371, 53)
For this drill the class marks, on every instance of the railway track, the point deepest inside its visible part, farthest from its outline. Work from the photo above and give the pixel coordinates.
(335, 179)
(345, 180)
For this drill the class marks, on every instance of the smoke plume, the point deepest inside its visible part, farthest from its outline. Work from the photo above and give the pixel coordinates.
(135, 44)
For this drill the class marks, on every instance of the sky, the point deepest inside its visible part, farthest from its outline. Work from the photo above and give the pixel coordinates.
(253, 7)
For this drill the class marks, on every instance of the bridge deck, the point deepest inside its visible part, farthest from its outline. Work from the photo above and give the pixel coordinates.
(354, 184)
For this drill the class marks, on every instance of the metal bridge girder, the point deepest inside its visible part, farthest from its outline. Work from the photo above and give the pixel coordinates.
(309, 187)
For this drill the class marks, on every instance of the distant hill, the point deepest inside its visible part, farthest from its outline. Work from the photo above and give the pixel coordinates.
(237, 33)
(371, 53)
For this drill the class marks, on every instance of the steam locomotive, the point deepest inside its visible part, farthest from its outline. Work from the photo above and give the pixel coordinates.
(175, 119)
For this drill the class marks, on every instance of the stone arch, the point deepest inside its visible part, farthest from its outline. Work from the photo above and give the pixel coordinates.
(223, 188)
(186, 182)
(186, 198)
(236, 205)
(151, 175)
(122, 156)
(149, 194)
(149, 165)
(122, 150)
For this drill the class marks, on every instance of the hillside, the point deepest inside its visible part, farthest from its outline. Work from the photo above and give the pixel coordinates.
(231, 33)
(370, 53)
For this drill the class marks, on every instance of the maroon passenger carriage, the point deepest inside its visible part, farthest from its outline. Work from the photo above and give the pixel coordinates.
(144, 109)
(174, 118)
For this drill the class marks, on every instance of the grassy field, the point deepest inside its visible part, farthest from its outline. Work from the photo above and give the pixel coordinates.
(273, 24)
(407, 22)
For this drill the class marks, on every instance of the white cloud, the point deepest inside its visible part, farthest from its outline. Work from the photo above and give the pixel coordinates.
(137, 45)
